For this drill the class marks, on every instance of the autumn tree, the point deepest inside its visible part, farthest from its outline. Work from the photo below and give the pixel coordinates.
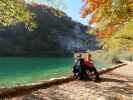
(14, 11)
(113, 19)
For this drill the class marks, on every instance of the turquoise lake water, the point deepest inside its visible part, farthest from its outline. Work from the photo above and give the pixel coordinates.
(16, 71)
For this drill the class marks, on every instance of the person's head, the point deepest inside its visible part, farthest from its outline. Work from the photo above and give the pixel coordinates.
(79, 56)
(88, 56)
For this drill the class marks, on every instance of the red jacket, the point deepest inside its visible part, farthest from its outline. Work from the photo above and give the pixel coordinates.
(89, 63)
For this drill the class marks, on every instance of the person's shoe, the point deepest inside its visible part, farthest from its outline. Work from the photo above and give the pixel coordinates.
(89, 79)
(97, 80)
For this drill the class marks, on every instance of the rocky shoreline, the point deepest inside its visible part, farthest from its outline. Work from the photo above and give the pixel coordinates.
(109, 89)
(30, 88)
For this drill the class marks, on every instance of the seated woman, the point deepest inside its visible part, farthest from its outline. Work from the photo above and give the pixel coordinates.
(90, 66)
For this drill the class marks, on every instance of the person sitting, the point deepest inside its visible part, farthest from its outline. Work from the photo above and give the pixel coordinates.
(91, 67)
(79, 68)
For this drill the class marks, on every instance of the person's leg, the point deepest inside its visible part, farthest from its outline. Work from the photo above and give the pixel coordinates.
(86, 75)
(80, 74)
(83, 74)
(96, 73)
(76, 73)
(89, 72)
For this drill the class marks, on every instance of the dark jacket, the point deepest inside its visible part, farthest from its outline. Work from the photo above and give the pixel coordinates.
(79, 66)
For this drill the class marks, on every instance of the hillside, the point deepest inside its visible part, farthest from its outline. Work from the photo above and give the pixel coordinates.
(56, 35)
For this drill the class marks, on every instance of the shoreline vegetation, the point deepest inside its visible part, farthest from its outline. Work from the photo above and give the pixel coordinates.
(25, 89)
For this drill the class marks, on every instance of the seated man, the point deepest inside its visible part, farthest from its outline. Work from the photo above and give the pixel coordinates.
(90, 66)
(79, 68)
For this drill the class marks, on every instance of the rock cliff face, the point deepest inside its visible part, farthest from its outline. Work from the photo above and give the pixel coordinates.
(56, 35)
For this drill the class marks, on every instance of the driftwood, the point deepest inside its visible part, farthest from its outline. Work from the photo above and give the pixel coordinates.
(21, 90)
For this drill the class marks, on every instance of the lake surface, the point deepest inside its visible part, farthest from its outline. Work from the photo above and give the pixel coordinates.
(16, 71)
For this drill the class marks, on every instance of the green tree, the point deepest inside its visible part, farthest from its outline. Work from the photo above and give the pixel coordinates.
(14, 11)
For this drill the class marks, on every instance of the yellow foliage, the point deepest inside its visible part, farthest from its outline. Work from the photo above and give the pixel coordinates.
(14, 11)
(121, 40)
(115, 27)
